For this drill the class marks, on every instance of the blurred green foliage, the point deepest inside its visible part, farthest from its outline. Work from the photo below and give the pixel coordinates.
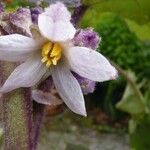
(137, 10)
(122, 46)
(17, 3)
(118, 42)
(142, 31)
(140, 137)
(127, 44)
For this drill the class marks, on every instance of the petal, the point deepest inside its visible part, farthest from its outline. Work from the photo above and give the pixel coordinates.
(58, 12)
(68, 89)
(45, 98)
(63, 31)
(59, 31)
(25, 75)
(90, 64)
(46, 26)
(17, 47)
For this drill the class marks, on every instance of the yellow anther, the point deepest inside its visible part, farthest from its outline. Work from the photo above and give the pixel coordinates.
(48, 64)
(51, 54)
(56, 50)
(44, 59)
(46, 48)
(54, 61)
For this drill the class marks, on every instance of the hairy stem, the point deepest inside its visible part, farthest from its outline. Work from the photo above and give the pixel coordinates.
(17, 116)
(39, 110)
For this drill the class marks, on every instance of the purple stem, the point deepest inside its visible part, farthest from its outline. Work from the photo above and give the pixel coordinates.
(39, 110)
(17, 115)
(78, 14)
(29, 111)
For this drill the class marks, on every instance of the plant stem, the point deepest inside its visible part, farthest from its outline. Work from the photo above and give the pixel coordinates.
(39, 110)
(78, 14)
(17, 116)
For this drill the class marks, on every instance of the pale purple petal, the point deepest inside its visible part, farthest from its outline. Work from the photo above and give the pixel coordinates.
(45, 98)
(55, 31)
(58, 12)
(46, 26)
(17, 47)
(87, 86)
(68, 89)
(63, 31)
(55, 24)
(25, 75)
(90, 64)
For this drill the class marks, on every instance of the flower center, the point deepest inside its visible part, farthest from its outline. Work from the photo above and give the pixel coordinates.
(51, 53)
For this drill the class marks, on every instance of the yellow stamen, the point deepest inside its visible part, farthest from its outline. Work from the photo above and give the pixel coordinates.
(55, 50)
(44, 59)
(51, 54)
(48, 64)
(54, 61)
(46, 48)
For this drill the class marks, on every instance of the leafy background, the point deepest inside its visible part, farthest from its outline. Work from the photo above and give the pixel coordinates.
(125, 30)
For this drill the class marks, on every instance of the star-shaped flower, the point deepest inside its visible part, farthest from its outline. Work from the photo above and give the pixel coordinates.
(54, 54)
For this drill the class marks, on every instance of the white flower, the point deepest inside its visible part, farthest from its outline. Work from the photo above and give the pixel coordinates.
(54, 54)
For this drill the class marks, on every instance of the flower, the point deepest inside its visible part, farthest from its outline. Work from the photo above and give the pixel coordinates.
(54, 54)
(86, 38)
(87, 86)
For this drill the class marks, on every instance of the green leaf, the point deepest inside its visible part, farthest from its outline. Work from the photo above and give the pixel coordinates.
(132, 101)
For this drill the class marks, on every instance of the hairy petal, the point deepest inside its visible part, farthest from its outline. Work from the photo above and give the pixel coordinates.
(90, 64)
(17, 47)
(25, 75)
(68, 89)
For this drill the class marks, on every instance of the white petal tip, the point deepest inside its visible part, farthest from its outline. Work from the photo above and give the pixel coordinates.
(114, 75)
(3, 91)
(84, 115)
(81, 112)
